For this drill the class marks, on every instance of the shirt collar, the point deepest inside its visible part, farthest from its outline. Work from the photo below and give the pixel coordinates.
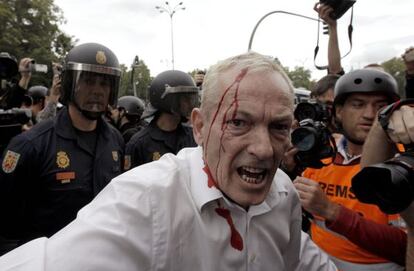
(342, 151)
(203, 194)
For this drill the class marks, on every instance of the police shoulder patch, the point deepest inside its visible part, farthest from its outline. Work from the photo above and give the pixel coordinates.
(10, 161)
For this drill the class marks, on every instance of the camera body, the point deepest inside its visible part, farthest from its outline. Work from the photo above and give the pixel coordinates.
(11, 122)
(389, 185)
(34, 67)
(312, 138)
(339, 7)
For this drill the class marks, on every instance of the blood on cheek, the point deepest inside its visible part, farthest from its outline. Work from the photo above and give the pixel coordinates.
(229, 113)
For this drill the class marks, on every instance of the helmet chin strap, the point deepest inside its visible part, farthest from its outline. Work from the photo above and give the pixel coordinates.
(90, 115)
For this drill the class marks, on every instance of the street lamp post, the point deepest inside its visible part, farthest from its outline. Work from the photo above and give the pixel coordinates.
(134, 65)
(171, 11)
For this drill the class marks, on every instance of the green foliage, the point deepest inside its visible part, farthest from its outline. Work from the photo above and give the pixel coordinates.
(396, 67)
(300, 77)
(141, 78)
(29, 28)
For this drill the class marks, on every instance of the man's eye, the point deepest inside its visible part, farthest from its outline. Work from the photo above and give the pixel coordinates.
(280, 127)
(236, 123)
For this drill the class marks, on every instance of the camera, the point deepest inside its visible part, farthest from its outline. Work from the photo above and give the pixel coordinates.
(11, 122)
(8, 66)
(389, 185)
(312, 138)
(339, 7)
(34, 67)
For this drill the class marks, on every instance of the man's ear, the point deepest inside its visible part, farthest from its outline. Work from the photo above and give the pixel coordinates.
(198, 124)
(338, 112)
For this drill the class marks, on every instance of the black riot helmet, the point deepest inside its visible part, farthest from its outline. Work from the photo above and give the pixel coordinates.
(91, 77)
(133, 106)
(365, 81)
(174, 92)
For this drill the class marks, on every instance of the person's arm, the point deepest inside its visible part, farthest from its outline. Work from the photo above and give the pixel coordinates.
(25, 74)
(371, 154)
(408, 216)
(51, 105)
(386, 241)
(334, 54)
(363, 232)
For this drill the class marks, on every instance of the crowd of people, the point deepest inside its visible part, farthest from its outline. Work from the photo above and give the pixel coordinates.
(204, 176)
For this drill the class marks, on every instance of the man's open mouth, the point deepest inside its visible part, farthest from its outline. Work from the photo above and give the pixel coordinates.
(252, 175)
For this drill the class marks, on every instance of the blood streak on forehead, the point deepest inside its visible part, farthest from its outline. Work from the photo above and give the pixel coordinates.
(234, 104)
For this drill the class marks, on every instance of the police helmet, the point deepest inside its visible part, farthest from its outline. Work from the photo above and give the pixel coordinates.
(92, 63)
(132, 105)
(38, 93)
(365, 81)
(171, 89)
(8, 66)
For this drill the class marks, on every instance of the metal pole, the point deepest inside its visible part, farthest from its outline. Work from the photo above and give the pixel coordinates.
(171, 11)
(270, 13)
(172, 41)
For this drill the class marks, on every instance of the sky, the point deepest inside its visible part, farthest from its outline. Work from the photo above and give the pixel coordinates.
(211, 30)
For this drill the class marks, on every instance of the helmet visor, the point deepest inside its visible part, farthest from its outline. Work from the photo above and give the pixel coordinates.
(94, 91)
(183, 103)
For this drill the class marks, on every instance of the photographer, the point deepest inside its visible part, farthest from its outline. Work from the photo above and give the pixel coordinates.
(357, 236)
(400, 130)
(408, 58)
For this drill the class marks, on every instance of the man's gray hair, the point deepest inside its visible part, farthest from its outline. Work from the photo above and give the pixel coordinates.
(251, 60)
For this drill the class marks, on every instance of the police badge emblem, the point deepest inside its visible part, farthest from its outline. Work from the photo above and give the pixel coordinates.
(10, 161)
(100, 57)
(62, 159)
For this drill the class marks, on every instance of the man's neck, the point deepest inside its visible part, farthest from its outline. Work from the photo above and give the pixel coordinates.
(79, 121)
(353, 149)
(168, 122)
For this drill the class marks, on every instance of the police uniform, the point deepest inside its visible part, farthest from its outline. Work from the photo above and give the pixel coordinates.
(129, 129)
(151, 143)
(52, 171)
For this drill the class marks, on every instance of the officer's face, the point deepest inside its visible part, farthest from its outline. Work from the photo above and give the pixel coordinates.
(358, 113)
(244, 137)
(92, 92)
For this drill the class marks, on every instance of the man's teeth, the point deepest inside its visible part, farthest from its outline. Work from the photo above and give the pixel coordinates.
(253, 170)
(253, 175)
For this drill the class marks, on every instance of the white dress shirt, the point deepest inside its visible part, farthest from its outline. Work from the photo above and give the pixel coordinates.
(162, 216)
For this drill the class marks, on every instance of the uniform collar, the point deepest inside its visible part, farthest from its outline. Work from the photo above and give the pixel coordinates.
(68, 131)
(203, 194)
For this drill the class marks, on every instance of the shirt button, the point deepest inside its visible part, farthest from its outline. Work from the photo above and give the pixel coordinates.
(253, 257)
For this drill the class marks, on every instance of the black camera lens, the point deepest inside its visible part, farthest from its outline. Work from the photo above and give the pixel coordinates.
(387, 185)
(305, 111)
(304, 138)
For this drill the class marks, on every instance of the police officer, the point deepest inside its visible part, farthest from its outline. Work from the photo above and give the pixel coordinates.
(53, 170)
(173, 95)
(127, 116)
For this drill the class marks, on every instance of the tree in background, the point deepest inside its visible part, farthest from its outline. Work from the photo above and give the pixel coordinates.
(142, 80)
(396, 67)
(301, 77)
(30, 28)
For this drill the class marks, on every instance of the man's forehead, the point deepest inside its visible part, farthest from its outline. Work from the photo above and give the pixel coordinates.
(372, 96)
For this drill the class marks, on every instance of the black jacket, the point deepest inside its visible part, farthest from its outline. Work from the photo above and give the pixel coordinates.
(50, 172)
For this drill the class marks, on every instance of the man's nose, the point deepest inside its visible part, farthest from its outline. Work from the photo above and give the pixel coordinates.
(261, 145)
(370, 111)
